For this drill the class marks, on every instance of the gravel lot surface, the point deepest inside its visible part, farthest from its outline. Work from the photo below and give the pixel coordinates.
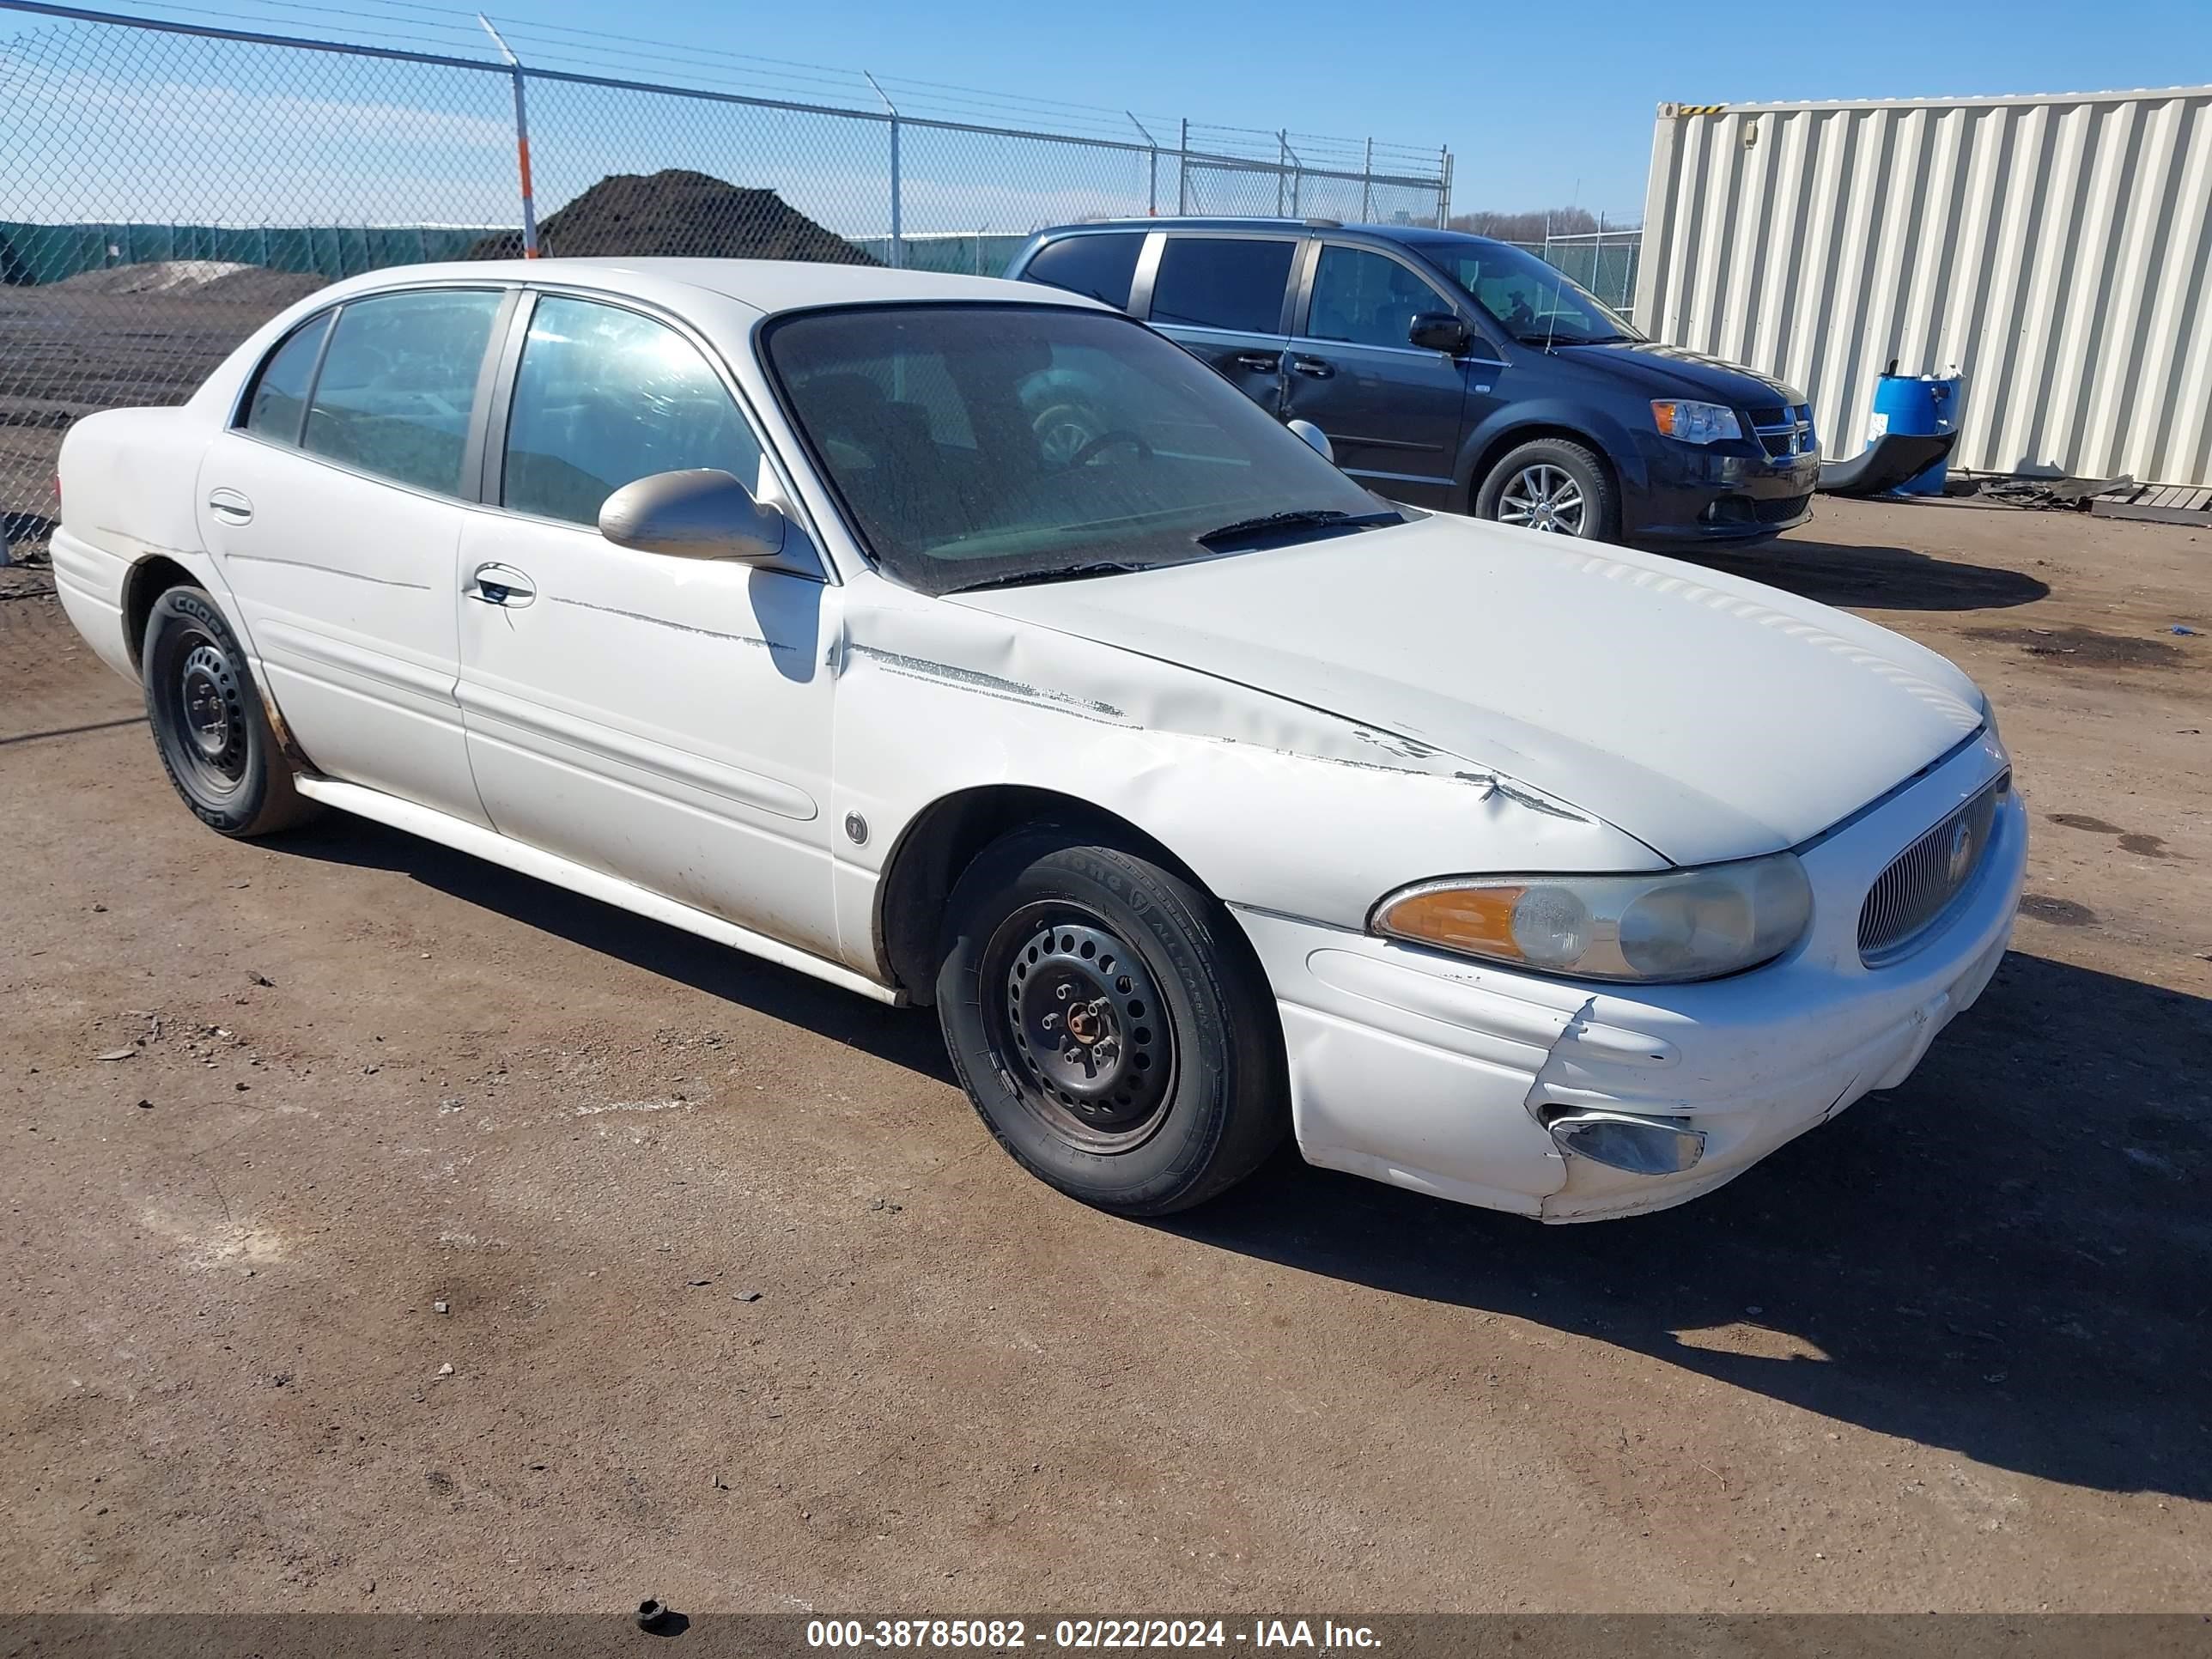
(439, 1240)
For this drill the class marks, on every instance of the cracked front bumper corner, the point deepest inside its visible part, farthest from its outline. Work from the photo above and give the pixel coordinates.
(1440, 1074)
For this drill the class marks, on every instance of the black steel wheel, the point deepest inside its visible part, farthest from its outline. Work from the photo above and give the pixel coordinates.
(1110, 1022)
(210, 727)
(1093, 1050)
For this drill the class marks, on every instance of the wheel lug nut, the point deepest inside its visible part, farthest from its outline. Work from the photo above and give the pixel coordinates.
(1049, 1021)
(1065, 991)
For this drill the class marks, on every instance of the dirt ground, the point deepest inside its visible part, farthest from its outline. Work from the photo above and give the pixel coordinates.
(742, 1308)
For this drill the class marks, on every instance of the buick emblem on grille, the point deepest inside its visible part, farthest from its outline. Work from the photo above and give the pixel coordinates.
(1959, 858)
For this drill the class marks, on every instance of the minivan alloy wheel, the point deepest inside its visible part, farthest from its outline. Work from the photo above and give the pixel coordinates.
(1543, 497)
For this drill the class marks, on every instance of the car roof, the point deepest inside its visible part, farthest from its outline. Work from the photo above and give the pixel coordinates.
(767, 286)
(1423, 234)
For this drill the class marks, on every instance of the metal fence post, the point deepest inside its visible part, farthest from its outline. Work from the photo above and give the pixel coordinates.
(1282, 167)
(1443, 188)
(1367, 185)
(1182, 170)
(1152, 170)
(898, 239)
(521, 142)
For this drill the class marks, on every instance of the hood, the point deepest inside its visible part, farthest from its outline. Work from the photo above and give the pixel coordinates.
(1709, 717)
(1686, 373)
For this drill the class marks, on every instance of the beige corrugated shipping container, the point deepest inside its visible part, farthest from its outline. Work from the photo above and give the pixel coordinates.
(2057, 250)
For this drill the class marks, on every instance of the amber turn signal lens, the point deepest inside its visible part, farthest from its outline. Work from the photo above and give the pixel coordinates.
(1476, 919)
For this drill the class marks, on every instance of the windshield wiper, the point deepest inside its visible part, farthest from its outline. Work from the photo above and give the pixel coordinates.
(1066, 573)
(1310, 517)
(1542, 338)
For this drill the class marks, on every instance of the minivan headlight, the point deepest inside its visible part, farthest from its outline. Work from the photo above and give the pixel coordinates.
(1669, 926)
(1696, 423)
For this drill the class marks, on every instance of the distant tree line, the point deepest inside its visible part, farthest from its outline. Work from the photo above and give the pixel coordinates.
(1532, 225)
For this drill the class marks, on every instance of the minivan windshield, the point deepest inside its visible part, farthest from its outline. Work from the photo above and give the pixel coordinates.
(984, 445)
(1533, 301)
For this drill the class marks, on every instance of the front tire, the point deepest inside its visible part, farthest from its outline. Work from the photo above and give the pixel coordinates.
(1551, 484)
(1110, 1023)
(210, 727)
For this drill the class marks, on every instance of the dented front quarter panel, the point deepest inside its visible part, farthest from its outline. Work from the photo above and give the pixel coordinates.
(1272, 805)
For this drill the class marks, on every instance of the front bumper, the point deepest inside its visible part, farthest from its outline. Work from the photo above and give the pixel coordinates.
(1725, 492)
(1433, 1072)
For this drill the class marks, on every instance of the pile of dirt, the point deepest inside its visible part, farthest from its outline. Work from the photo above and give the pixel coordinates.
(677, 213)
(202, 279)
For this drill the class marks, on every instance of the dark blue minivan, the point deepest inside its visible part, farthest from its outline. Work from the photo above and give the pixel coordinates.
(1455, 372)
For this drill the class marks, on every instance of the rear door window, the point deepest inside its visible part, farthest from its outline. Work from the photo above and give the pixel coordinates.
(1100, 265)
(398, 384)
(1231, 282)
(604, 396)
(279, 402)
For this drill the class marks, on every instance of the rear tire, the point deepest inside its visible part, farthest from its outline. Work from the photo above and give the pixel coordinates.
(1555, 485)
(1110, 1023)
(209, 727)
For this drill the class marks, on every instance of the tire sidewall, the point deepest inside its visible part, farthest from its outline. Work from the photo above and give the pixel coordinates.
(1602, 509)
(1161, 1173)
(176, 615)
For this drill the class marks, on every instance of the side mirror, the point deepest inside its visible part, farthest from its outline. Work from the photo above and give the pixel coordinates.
(1315, 437)
(1439, 331)
(702, 514)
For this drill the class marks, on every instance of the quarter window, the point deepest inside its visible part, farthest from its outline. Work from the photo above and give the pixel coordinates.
(1099, 264)
(604, 396)
(280, 395)
(398, 384)
(1228, 282)
(1365, 298)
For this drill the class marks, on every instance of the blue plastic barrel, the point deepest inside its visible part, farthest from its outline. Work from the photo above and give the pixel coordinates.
(1921, 404)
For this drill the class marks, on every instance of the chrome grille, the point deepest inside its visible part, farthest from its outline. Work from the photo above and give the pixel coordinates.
(1784, 433)
(1909, 897)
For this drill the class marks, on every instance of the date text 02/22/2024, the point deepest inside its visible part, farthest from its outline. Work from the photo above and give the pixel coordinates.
(1310, 1635)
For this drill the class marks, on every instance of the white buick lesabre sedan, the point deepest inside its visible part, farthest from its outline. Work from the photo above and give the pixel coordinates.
(966, 643)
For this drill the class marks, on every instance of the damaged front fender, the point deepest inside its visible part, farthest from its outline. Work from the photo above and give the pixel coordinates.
(1273, 803)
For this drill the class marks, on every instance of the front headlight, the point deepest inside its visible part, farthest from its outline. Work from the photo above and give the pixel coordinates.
(1672, 925)
(1696, 423)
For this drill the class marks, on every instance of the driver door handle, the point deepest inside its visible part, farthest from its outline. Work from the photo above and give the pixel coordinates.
(501, 585)
(1314, 368)
(1259, 363)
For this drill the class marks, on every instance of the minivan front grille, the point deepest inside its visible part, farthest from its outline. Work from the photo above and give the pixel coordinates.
(1784, 433)
(1911, 895)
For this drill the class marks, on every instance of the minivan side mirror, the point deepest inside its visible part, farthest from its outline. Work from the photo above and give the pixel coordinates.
(703, 513)
(1439, 331)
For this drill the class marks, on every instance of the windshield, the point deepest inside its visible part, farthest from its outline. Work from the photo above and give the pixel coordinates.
(1533, 301)
(974, 444)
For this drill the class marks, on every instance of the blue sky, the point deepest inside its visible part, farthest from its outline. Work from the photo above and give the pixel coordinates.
(1542, 106)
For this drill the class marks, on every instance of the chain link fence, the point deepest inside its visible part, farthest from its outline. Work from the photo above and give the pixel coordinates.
(165, 188)
(1602, 261)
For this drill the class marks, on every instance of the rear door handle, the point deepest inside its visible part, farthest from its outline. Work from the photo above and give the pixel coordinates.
(230, 506)
(1313, 368)
(1259, 363)
(500, 585)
